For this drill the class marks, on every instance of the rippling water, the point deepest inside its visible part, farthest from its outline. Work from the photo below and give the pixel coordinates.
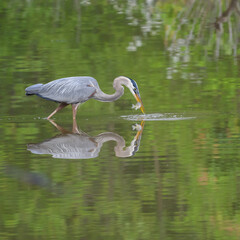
(157, 117)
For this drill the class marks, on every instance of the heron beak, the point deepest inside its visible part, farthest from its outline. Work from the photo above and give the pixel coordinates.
(140, 101)
(139, 133)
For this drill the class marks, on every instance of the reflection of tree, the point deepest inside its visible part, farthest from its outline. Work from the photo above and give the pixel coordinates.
(233, 6)
(199, 23)
(140, 13)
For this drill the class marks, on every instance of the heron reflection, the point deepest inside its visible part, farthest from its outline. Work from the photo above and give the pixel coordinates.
(79, 145)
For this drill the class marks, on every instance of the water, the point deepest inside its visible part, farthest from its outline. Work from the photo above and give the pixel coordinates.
(157, 117)
(115, 173)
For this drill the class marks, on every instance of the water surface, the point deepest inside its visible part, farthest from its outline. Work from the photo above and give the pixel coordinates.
(170, 174)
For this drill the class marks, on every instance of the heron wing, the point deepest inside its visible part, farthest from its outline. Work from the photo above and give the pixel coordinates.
(72, 146)
(69, 90)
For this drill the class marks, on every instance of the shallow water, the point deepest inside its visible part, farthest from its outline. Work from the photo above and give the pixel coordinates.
(115, 173)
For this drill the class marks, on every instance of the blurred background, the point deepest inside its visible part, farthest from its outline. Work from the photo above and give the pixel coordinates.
(182, 179)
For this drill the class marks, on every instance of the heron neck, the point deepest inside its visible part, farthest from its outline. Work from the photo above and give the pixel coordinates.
(103, 97)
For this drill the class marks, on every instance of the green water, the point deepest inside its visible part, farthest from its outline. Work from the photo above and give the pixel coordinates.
(175, 177)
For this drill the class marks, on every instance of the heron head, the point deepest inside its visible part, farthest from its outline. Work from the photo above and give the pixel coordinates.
(135, 92)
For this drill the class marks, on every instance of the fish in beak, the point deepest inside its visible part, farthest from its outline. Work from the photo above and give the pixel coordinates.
(135, 92)
(139, 100)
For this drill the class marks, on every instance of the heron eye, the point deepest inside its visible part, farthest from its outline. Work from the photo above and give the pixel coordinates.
(134, 89)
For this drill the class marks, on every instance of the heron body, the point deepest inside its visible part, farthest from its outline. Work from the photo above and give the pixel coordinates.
(77, 90)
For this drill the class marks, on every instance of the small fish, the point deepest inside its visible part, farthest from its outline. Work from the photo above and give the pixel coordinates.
(136, 106)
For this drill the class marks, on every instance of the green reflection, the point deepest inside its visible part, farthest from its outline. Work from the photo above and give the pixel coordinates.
(183, 183)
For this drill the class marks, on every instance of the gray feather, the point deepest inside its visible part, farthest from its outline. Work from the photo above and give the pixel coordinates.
(34, 89)
(68, 90)
(70, 146)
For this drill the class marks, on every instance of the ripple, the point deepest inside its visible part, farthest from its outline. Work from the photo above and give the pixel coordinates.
(157, 117)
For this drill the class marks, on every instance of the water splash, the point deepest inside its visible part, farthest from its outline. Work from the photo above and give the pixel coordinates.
(157, 117)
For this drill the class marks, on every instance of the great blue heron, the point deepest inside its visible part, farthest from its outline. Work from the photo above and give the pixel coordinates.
(77, 90)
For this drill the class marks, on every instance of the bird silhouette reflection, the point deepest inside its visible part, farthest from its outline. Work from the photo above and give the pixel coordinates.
(79, 145)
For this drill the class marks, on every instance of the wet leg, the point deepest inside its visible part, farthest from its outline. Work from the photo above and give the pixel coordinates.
(75, 127)
(74, 109)
(61, 106)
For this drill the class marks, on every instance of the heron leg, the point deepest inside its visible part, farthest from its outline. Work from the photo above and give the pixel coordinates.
(74, 109)
(61, 106)
(75, 127)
